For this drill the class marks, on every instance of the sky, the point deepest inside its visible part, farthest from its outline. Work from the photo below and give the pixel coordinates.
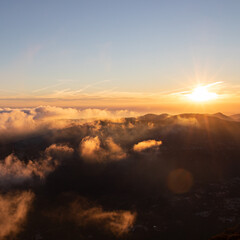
(119, 54)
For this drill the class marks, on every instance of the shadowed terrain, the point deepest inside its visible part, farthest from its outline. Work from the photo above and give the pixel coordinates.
(148, 177)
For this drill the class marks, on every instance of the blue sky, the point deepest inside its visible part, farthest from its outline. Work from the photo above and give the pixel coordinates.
(116, 46)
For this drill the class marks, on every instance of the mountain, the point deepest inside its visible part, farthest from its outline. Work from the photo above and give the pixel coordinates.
(153, 117)
(236, 117)
(222, 116)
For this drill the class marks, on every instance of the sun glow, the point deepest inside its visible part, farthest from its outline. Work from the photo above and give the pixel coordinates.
(201, 94)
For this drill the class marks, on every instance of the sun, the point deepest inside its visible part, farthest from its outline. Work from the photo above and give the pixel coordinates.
(201, 94)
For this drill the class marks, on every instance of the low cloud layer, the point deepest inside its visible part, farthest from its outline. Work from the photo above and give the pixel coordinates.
(14, 207)
(44, 112)
(119, 167)
(15, 122)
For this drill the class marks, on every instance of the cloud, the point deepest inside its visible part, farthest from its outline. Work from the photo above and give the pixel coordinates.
(46, 112)
(106, 161)
(13, 212)
(116, 222)
(91, 150)
(87, 214)
(17, 122)
(59, 151)
(13, 171)
(192, 121)
(114, 150)
(141, 146)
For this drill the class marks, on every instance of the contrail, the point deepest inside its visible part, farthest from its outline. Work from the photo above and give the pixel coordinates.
(212, 84)
(42, 89)
(74, 92)
(206, 86)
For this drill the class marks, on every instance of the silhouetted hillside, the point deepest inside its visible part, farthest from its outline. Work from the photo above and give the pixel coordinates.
(150, 177)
